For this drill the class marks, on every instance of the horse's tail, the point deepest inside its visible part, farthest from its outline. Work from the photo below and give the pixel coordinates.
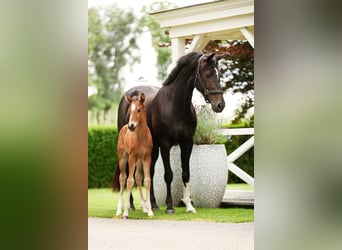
(115, 181)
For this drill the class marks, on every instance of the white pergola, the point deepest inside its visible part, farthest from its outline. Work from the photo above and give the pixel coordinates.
(216, 20)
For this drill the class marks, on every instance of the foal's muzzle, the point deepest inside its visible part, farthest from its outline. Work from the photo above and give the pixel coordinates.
(131, 127)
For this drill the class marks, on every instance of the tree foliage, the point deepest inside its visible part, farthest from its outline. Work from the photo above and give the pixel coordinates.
(112, 43)
(237, 71)
(160, 40)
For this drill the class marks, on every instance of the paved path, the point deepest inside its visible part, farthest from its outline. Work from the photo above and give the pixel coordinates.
(162, 234)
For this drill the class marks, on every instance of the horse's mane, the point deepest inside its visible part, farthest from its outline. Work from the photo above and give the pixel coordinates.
(190, 58)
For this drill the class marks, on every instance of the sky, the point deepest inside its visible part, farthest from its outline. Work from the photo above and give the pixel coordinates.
(146, 68)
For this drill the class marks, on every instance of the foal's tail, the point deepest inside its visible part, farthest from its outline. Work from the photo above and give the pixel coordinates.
(115, 181)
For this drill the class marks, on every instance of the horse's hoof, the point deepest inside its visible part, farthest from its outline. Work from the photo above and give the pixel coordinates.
(132, 209)
(155, 208)
(125, 217)
(170, 211)
(192, 211)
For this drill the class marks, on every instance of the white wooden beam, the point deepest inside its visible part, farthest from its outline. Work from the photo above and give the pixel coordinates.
(241, 174)
(198, 43)
(249, 36)
(195, 43)
(229, 23)
(236, 131)
(203, 16)
(240, 150)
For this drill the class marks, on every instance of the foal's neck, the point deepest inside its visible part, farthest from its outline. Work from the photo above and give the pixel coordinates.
(141, 127)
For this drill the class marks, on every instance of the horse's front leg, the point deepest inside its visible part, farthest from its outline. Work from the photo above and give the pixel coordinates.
(186, 148)
(168, 176)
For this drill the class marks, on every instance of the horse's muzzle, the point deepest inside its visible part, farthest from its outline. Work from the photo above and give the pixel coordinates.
(218, 107)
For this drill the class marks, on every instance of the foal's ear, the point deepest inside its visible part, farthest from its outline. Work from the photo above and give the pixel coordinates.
(128, 99)
(142, 98)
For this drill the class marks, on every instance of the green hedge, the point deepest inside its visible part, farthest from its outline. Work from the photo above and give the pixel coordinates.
(102, 155)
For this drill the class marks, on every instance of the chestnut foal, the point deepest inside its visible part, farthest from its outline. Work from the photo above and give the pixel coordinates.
(135, 147)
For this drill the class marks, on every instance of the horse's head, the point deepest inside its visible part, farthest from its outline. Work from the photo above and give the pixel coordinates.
(207, 81)
(136, 109)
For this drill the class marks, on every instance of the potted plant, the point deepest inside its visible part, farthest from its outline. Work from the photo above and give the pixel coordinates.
(208, 166)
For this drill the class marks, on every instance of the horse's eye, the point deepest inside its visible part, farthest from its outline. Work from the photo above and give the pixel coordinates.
(139, 110)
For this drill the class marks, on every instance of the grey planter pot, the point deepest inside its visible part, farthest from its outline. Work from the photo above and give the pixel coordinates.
(208, 176)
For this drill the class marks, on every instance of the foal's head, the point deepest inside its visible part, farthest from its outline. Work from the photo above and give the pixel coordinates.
(136, 109)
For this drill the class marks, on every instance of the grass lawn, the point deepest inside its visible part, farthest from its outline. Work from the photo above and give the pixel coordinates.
(102, 203)
(241, 186)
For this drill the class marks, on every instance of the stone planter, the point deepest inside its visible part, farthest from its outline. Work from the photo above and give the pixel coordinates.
(208, 176)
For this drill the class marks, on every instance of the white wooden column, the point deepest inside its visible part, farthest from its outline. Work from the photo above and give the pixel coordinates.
(178, 49)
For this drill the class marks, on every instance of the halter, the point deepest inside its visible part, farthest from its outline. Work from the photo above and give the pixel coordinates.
(206, 91)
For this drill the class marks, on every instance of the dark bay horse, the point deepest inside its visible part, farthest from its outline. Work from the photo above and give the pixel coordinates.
(171, 116)
(135, 148)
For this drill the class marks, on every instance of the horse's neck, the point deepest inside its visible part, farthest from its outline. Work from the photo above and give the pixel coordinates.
(182, 94)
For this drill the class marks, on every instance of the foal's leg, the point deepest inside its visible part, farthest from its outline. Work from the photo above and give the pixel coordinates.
(122, 179)
(131, 201)
(186, 148)
(138, 181)
(168, 176)
(147, 181)
(130, 183)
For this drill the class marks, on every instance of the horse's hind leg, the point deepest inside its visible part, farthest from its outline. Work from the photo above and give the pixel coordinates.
(155, 154)
(168, 176)
(147, 182)
(138, 181)
(131, 201)
(186, 149)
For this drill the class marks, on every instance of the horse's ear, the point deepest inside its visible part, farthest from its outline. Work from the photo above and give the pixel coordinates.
(219, 57)
(142, 97)
(128, 99)
(210, 57)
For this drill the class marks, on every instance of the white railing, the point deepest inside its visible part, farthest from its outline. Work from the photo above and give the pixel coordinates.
(233, 156)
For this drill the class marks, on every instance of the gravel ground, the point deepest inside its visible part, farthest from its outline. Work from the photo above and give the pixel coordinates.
(162, 234)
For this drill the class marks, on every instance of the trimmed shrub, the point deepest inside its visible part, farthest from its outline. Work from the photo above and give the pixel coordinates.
(102, 155)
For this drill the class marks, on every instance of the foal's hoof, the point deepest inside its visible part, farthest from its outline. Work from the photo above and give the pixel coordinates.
(125, 217)
(132, 209)
(170, 211)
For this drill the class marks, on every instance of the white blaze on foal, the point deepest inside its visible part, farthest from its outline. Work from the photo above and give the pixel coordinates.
(133, 107)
